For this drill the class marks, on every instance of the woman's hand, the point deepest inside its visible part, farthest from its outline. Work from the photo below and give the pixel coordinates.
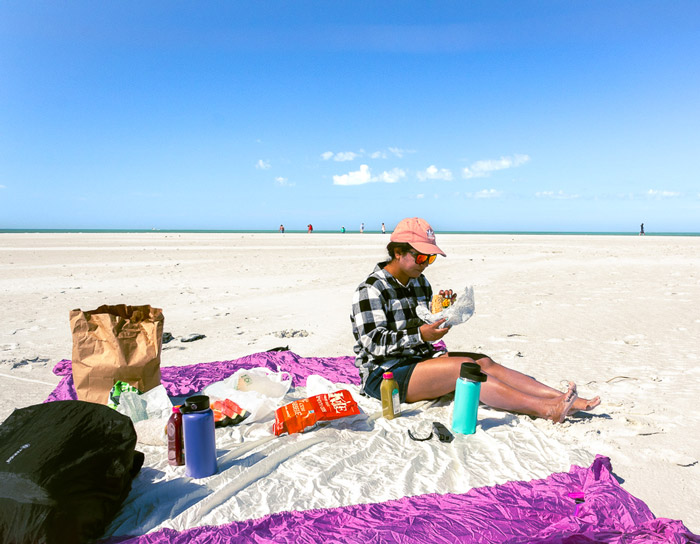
(431, 333)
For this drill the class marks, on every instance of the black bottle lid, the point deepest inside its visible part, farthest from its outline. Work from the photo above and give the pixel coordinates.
(198, 403)
(472, 371)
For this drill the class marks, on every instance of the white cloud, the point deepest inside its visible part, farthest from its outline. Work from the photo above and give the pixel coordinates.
(283, 182)
(364, 175)
(662, 194)
(420, 196)
(559, 195)
(341, 156)
(359, 177)
(482, 169)
(487, 193)
(399, 152)
(3, 187)
(262, 165)
(432, 172)
(345, 156)
(391, 176)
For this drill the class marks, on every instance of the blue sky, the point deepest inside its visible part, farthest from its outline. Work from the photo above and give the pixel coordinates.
(566, 115)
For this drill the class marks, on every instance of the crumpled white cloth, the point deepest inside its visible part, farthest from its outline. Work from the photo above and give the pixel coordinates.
(354, 460)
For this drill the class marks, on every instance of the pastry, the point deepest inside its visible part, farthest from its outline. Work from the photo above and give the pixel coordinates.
(441, 301)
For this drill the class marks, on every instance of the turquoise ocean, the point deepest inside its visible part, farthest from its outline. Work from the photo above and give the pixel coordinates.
(290, 231)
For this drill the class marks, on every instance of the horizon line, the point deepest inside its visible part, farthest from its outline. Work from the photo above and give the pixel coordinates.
(326, 231)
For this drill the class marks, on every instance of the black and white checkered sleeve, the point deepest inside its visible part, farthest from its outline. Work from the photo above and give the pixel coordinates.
(371, 325)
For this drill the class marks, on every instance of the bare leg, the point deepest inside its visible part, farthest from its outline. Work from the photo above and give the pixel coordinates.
(517, 380)
(433, 378)
(437, 377)
(526, 384)
(499, 395)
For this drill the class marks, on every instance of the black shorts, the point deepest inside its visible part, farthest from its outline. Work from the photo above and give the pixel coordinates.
(402, 374)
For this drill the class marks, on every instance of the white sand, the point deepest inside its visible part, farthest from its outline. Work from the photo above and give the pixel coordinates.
(618, 315)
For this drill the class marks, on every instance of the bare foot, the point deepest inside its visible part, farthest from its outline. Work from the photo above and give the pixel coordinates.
(585, 405)
(581, 404)
(559, 412)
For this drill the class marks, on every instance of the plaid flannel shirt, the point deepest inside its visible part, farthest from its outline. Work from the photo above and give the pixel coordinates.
(384, 321)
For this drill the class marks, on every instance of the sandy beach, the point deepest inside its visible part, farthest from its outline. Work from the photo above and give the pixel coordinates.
(616, 314)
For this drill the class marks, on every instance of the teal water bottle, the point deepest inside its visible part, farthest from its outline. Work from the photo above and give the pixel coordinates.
(466, 402)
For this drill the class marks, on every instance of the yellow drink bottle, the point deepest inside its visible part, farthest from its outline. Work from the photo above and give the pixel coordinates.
(391, 404)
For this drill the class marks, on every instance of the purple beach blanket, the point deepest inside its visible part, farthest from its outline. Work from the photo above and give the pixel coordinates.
(584, 505)
(186, 380)
(579, 506)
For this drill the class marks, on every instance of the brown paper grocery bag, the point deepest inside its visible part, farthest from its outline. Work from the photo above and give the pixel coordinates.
(115, 343)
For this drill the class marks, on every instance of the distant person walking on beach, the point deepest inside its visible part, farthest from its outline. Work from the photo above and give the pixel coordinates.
(282, 229)
(383, 229)
(310, 228)
(342, 229)
(362, 228)
(641, 230)
(390, 336)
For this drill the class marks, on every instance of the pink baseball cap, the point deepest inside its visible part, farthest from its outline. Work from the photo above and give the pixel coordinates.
(418, 233)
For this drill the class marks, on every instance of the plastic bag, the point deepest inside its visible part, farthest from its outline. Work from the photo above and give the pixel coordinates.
(317, 385)
(116, 392)
(152, 432)
(459, 312)
(264, 392)
(153, 404)
(263, 380)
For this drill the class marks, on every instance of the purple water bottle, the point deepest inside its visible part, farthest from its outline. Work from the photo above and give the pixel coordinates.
(200, 439)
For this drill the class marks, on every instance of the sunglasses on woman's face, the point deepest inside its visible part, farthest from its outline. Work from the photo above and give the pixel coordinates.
(422, 258)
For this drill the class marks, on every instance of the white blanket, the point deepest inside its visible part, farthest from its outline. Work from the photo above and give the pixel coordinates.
(363, 459)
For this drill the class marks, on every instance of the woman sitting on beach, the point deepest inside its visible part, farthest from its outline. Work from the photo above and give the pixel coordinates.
(390, 336)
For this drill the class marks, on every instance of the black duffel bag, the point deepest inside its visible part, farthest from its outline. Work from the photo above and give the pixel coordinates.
(65, 469)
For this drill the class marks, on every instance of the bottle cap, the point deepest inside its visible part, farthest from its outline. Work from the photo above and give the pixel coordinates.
(472, 371)
(388, 375)
(176, 409)
(198, 403)
(469, 368)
